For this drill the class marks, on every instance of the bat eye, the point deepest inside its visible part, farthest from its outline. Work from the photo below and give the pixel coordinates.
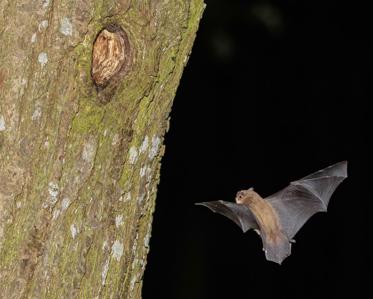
(239, 196)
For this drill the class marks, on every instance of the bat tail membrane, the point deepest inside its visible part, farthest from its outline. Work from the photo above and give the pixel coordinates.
(278, 250)
(239, 214)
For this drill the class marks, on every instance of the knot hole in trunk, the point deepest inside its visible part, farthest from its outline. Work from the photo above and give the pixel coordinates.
(110, 57)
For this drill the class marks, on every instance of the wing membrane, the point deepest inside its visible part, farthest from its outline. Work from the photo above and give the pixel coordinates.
(239, 214)
(301, 199)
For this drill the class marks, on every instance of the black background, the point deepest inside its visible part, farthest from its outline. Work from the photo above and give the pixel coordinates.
(273, 91)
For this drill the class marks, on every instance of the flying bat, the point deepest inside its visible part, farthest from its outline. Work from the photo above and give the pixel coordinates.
(277, 218)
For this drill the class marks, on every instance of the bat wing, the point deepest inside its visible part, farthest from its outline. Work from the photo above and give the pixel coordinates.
(301, 199)
(239, 214)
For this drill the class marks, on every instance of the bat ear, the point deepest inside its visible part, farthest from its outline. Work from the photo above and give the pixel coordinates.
(251, 189)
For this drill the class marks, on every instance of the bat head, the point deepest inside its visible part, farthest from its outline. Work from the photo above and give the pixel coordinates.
(243, 195)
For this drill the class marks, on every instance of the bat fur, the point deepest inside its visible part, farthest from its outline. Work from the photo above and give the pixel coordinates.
(277, 218)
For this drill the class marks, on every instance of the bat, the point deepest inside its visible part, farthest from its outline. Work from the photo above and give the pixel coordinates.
(278, 217)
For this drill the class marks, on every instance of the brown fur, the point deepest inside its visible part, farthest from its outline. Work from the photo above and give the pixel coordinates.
(265, 215)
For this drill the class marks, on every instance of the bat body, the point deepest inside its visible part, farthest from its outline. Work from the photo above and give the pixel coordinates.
(277, 218)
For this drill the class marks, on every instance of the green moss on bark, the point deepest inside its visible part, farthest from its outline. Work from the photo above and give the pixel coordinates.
(67, 171)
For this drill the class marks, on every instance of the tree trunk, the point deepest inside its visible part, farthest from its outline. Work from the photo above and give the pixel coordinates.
(79, 159)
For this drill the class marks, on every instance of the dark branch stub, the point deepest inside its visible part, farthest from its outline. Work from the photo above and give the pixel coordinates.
(110, 56)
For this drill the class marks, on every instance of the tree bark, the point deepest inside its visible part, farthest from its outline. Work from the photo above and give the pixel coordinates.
(79, 163)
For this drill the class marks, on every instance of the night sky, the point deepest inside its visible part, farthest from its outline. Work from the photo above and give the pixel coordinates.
(273, 91)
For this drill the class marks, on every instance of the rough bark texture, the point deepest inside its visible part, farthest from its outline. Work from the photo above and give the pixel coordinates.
(80, 166)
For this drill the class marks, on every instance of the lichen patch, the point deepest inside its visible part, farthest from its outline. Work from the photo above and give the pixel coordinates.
(142, 171)
(156, 141)
(89, 151)
(116, 140)
(144, 145)
(66, 28)
(133, 282)
(117, 250)
(65, 203)
(33, 38)
(147, 236)
(36, 114)
(132, 155)
(105, 269)
(43, 58)
(145, 171)
(53, 191)
(2, 123)
(43, 25)
(74, 231)
(118, 221)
